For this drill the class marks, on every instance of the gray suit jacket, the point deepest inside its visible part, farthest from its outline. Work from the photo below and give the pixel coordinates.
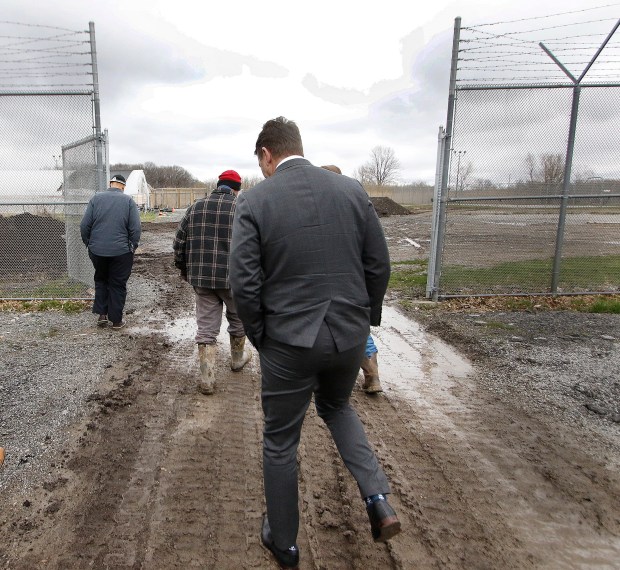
(308, 246)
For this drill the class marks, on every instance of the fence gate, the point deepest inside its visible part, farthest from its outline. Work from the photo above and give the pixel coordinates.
(528, 179)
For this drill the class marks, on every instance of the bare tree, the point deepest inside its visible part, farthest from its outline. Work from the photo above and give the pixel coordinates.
(484, 184)
(247, 182)
(466, 171)
(363, 175)
(552, 166)
(548, 168)
(382, 167)
(163, 176)
(250, 181)
(530, 166)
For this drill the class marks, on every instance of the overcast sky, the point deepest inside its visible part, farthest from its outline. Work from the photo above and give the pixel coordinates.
(190, 83)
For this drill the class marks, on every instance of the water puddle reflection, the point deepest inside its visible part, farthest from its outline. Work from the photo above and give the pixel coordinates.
(411, 360)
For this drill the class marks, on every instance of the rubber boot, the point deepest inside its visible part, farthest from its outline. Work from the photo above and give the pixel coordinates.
(206, 356)
(240, 355)
(370, 368)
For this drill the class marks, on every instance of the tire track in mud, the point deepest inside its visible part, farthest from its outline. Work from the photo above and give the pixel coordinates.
(208, 502)
(498, 480)
(444, 507)
(333, 515)
(166, 477)
(80, 533)
(203, 506)
(161, 477)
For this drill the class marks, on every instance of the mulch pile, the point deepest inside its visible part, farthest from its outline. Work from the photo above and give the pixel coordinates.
(387, 207)
(32, 244)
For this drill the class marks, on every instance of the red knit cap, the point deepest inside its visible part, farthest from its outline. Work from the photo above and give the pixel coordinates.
(230, 175)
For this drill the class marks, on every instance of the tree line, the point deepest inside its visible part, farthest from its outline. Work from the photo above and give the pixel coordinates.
(381, 169)
(163, 176)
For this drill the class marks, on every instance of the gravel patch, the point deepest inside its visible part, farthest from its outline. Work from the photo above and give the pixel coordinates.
(559, 365)
(52, 366)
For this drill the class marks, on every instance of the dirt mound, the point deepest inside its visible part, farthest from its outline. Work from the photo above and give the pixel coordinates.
(387, 207)
(32, 244)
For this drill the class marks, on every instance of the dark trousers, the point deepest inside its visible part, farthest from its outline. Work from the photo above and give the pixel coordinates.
(111, 275)
(290, 376)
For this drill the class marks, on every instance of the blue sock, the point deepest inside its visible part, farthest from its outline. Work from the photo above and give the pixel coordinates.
(373, 498)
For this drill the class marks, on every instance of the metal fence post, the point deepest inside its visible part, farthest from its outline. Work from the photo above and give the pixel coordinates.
(568, 163)
(443, 196)
(430, 276)
(101, 182)
(107, 156)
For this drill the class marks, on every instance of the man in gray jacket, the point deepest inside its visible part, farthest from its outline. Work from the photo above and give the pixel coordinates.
(309, 268)
(111, 230)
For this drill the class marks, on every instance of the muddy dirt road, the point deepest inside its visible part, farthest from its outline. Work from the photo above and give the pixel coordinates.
(153, 475)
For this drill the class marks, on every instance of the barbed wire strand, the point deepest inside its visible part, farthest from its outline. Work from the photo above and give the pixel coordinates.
(549, 15)
(43, 26)
(490, 40)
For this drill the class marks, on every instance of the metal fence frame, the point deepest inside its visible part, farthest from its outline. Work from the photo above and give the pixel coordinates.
(442, 200)
(81, 179)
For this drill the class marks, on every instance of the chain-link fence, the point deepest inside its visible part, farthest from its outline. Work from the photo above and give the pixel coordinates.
(44, 186)
(79, 178)
(51, 162)
(528, 191)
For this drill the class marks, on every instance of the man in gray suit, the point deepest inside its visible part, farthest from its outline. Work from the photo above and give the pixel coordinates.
(309, 268)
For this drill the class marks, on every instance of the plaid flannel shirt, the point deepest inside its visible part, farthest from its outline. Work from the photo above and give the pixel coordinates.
(202, 241)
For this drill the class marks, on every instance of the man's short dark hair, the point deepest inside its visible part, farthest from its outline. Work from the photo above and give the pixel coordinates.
(281, 137)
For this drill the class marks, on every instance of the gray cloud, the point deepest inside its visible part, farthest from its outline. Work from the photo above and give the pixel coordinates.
(333, 94)
(182, 144)
(407, 113)
(140, 58)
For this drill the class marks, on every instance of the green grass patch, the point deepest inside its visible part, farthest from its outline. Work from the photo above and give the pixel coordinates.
(69, 307)
(148, 216)
(73, 307)
(409, 276)
(605, 306)
(588, 273)
(50, 305)
(59, 289)
(417, 262)
(520, 303)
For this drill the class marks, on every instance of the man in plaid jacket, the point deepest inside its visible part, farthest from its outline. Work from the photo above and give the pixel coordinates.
(201, 252)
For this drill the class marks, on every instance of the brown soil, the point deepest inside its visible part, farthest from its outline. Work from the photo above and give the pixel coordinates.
(161, 477)
(387, 207)
(32, 244)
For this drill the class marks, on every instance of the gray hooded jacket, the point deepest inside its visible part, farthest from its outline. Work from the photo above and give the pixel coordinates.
(111, 224)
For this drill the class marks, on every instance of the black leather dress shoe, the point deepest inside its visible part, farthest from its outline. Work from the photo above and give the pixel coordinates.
(288, 558)
(384, 523)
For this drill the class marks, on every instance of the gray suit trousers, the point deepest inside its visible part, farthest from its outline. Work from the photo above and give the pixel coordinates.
(290, 376)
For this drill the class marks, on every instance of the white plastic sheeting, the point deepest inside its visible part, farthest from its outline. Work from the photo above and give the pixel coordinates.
(138, 188)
